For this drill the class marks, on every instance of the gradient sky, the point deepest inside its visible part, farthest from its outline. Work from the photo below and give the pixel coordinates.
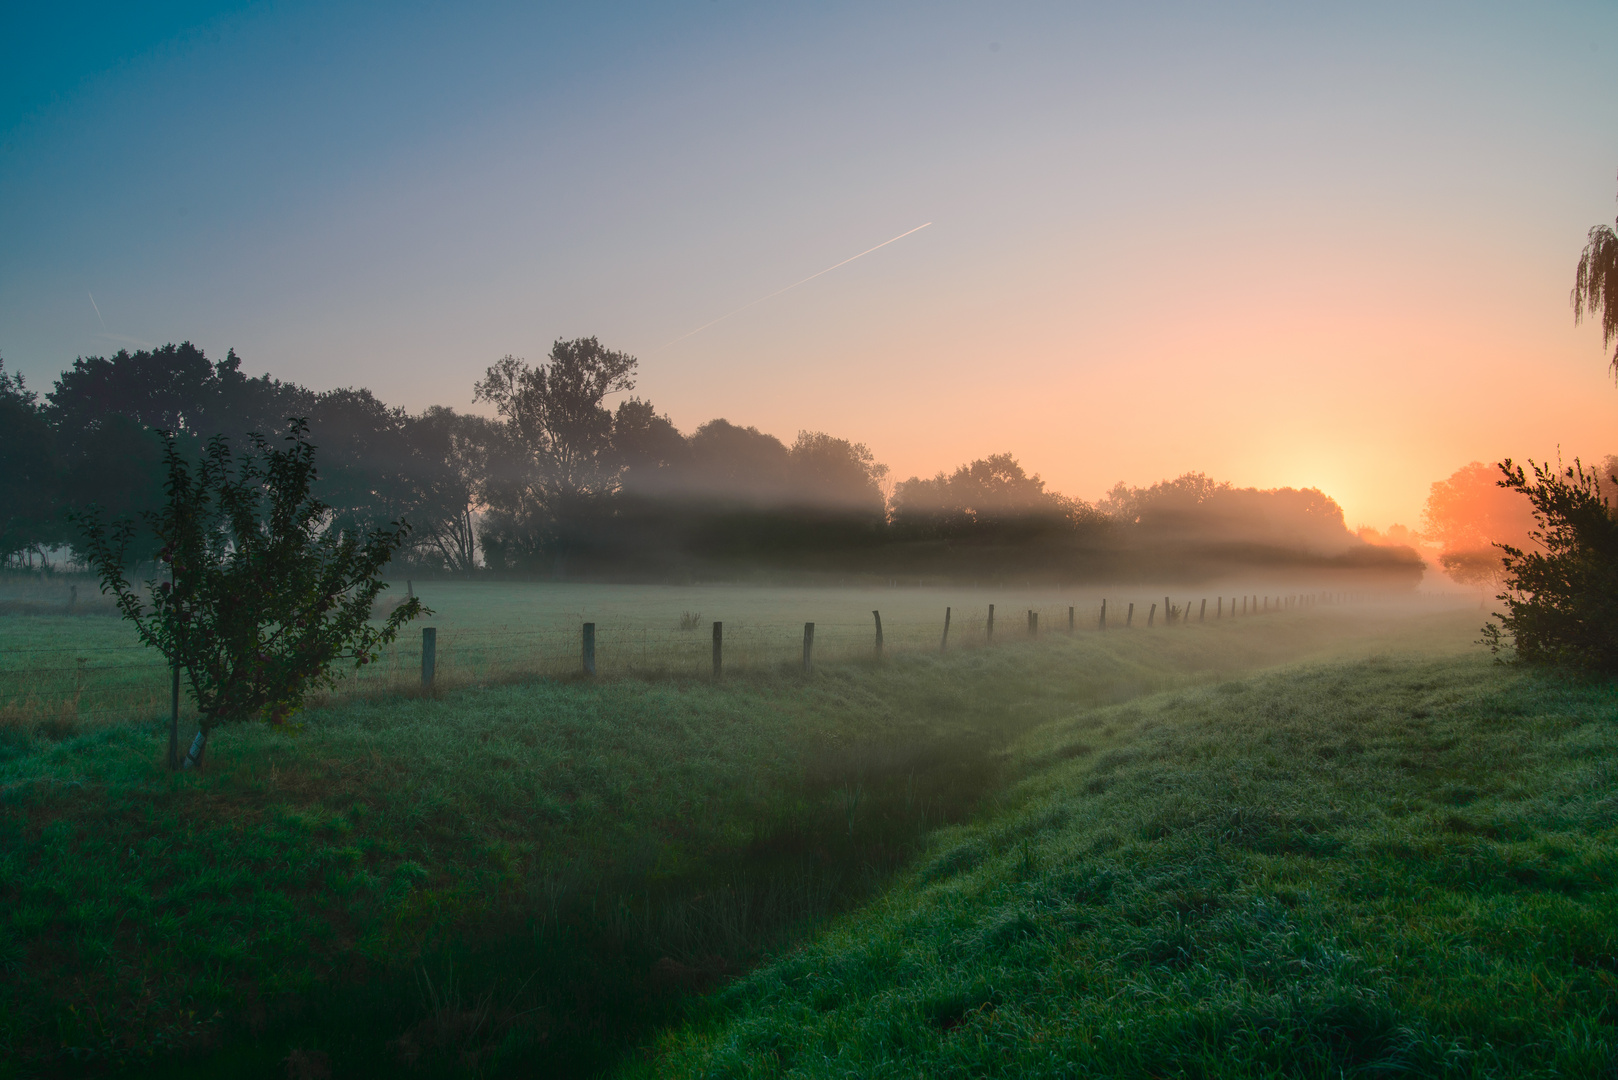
(1284, 244)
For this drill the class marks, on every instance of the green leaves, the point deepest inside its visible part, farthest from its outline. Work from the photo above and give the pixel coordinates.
(1562, 603)
(265, 594)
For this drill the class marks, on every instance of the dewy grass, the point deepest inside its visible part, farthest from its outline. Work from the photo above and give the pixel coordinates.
(525, 877)
(1390, 866)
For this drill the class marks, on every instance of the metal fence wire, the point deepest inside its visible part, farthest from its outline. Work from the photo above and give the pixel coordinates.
(56, 681)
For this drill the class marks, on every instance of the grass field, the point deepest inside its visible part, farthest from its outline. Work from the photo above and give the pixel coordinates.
(531, 875)
(1390, 866)
(71, 663)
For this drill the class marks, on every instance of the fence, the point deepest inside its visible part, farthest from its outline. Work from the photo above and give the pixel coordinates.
(55, 683)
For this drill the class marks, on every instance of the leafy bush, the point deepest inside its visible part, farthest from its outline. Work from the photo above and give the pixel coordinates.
(1562, 602)
(265, 595)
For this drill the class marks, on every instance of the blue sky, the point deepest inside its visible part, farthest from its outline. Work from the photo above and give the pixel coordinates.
(1349, 225)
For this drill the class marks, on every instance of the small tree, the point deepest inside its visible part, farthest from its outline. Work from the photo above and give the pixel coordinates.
(264, 596)
(1562, 603)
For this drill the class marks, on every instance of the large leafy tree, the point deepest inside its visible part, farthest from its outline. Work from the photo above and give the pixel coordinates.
(1595, 288)
(1467, 516)
(265, 594)
(558, 455)
(28, 471)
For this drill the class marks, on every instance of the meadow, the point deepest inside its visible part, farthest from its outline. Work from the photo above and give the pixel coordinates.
(542, 874)
(68, 660)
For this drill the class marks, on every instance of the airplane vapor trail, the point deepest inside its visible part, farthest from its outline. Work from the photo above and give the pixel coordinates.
(97, 310)
(795, 284)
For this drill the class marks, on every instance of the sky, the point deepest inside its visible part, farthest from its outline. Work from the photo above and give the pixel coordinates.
(1321, 245)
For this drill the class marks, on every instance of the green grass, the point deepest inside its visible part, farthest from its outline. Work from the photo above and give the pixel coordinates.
(1353, 869)
(78, 671)
(520, 878)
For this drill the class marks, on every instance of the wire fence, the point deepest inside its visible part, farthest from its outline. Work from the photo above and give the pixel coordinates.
(68, 684)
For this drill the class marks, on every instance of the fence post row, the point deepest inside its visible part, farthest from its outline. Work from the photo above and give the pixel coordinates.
(877, 615)
(808, 647)
(429, 655)
(589, 648)
(943, 644)
(718, 648)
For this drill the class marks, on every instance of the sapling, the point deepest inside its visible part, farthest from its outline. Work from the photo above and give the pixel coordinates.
(266, 596)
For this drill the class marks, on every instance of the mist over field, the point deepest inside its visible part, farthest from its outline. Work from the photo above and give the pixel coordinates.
(844, 540)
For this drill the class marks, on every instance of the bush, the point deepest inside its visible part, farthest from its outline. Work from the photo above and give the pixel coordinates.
(1562, 602)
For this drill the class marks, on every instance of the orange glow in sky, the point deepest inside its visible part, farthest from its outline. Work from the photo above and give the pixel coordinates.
(1281, 246)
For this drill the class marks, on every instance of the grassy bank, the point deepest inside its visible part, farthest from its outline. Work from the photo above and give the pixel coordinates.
(1390, 866)
(519, 877)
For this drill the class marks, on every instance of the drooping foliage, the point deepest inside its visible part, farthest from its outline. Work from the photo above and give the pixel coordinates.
(1561, 602)
(1595, 286)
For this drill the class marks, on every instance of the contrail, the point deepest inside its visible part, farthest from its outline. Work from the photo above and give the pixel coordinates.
(795, 284)
(96, 309)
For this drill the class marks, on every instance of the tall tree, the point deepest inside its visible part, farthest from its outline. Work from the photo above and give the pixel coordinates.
(1468, 516)
(28, 471)
(559, 444)
(1595, 288)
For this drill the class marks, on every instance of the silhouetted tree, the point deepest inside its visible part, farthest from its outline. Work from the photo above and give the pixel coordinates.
(989, 495)
(648, 447)
(830, 472)
(28, 471)
(1467, 516)
(450, 460)
(1595, 286)
(1561, 602)
(557, 457)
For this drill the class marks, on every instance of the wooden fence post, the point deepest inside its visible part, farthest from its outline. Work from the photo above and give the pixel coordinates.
(1202, 615)
(1168, 613)
(429, 655)
(1219, 611)
(808, 647)
(877, 615)
(1151, 616)
(1103, 624)
(718, 649)
(1070, 618)
(989, 632)
(589, 648)
(1129, 618)
(1033, 623)
(943, 644)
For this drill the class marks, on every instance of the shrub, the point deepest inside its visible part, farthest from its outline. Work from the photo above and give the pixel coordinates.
(1562, 602)
(265, 595)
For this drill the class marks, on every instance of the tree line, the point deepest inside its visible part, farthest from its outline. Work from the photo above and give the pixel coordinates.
(561, 482)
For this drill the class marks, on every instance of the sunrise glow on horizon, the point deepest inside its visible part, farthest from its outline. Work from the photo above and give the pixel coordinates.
(1283, 248)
